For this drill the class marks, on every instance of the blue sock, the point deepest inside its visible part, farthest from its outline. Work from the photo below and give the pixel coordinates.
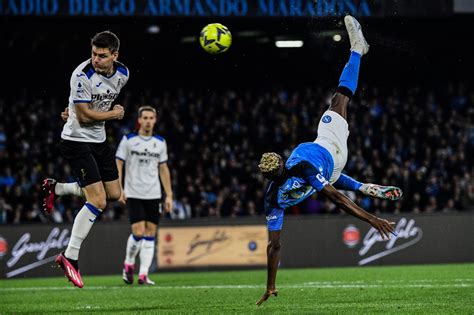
(137, 238)
(345, 182)
(350, 75)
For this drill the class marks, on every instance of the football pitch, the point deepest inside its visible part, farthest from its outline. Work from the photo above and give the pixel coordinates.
(423, 289)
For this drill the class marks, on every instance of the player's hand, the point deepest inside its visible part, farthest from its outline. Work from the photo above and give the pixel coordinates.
(266, 295)
(168, 204)
(123, 198)
(65, 114)
(119, 111)
(383, 226)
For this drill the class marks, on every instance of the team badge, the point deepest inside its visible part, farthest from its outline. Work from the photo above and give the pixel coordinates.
(326, 119)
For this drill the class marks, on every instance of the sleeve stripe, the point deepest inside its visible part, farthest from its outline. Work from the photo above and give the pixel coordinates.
(81, 101)
(164, 162)
(119, 158)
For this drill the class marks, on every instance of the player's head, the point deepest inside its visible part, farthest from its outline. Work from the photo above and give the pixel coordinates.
(105, 50)
(271, 165)
(147, 118)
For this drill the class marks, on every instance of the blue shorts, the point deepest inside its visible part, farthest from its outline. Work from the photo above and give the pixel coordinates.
(275, 219)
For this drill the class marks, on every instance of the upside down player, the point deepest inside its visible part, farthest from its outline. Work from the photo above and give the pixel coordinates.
(317, 166)
(95, 84)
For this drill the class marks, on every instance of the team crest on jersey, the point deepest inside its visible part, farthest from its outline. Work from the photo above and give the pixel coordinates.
(326, 119)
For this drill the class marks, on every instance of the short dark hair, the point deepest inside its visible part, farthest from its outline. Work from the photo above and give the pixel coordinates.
(106, 39)
(146, 108)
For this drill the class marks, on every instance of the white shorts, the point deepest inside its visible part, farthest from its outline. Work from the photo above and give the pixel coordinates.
(333, 132)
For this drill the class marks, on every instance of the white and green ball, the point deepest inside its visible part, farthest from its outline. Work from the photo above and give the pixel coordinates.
(215, 38)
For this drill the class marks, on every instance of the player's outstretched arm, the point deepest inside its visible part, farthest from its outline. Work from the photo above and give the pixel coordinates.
(273, 259)
(383, 226)
(87, 115)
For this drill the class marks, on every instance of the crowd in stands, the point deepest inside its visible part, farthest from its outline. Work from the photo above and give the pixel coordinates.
(419, 139)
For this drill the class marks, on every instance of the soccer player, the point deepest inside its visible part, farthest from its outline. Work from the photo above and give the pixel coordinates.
(95, 84)
(317, 166)
(145, 156)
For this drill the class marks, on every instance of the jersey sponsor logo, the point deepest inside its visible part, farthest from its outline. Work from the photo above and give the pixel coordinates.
(80, 75)
(295, 185)
(326, 119)
(145, 153)
(101, 97)
(300, 193)
(271, 217)
(105, 100)
(322, 180)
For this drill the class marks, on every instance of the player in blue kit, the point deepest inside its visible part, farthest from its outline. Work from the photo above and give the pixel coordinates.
(317, 166)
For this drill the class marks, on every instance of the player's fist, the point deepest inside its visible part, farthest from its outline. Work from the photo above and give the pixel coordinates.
(168, 204)
(65, 114)
(123, 198)
(119, 111)
(383, 226)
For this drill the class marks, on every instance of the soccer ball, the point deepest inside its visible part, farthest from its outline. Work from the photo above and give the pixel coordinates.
(215, 38)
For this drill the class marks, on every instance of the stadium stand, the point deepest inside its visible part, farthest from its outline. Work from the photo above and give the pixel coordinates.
(419, 139)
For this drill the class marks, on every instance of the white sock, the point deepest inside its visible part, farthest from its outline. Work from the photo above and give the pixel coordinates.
(82, 225)
(147, 251)
(62, 189)
(133, 247)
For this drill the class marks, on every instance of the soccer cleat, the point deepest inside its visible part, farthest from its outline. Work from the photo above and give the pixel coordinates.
(127, 274)
(70, 271)
(49, 185)
(143, 279)
(381, 192)
(354, 30)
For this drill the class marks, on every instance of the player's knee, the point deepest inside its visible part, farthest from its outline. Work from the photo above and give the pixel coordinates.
(275, 244)
(138, 234)
(150, 233)
(98, 202)
(138, 231)
(339, 99)
(339, 104)
(113, 195)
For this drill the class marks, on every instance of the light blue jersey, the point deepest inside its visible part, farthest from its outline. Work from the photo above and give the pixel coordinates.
(308, 170)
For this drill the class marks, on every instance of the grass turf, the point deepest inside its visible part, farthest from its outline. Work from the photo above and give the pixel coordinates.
(433, 289)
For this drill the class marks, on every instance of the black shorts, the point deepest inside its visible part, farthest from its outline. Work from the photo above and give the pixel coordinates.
(144, 210)
(90, 162)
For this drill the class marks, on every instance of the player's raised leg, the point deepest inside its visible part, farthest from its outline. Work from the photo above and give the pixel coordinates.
(52, 189)
(349, 76)
(69, 260)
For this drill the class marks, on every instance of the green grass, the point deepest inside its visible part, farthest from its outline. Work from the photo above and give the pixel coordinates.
(426, 289)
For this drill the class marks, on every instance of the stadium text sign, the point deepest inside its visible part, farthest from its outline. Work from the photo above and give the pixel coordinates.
(212, 246)
(27, 254)
(196, 8)
(408, 234)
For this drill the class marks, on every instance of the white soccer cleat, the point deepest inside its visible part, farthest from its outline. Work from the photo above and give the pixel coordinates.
(356, 37)
(381, 192)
